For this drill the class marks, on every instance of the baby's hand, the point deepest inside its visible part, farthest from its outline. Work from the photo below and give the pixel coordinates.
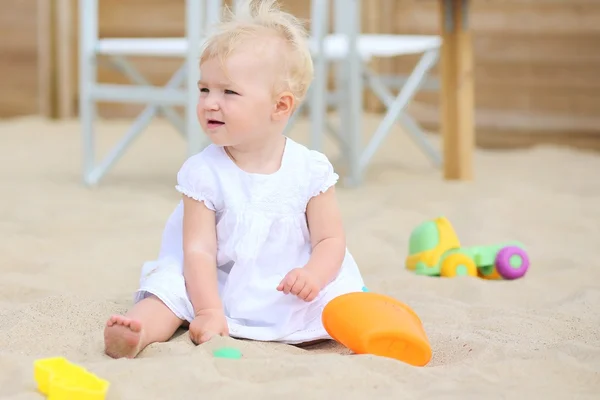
(302, 283)
(206, 324)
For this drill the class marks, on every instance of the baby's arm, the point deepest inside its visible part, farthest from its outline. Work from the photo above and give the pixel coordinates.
(200, 256)
(326, 235)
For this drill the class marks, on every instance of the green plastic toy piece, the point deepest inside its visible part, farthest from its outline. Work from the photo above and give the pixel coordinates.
(435, 250)
(425, 237)
(227, 352)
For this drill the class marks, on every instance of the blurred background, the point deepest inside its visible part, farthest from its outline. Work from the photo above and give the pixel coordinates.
(537, 62)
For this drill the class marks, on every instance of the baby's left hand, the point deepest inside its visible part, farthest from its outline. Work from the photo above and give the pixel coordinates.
(302, 283)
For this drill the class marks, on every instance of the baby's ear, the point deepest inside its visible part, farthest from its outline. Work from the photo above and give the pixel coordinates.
(284, 105)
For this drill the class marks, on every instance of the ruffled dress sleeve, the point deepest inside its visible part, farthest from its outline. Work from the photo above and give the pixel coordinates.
(196, 179)
(322, 174)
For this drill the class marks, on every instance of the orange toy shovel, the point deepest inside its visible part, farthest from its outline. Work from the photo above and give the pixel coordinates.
(371, 323)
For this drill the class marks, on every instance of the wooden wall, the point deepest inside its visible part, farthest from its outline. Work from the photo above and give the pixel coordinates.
(536, 61)
(537, 66)
(18, 58)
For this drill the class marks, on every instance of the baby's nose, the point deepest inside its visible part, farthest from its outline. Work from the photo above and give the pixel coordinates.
(211, 104)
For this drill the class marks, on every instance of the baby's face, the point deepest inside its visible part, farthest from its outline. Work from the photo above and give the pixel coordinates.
(235, 105)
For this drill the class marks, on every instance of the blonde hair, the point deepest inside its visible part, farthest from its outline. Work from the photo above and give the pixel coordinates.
(253, 18)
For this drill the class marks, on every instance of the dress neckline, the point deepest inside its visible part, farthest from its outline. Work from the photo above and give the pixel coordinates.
(256, 174)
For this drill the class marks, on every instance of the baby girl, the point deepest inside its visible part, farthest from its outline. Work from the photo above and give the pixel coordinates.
(255, 248)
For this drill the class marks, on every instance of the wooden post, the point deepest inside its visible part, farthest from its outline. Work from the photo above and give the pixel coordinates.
(44, 57)
(457, 100)
(66, 77)
(55, 72)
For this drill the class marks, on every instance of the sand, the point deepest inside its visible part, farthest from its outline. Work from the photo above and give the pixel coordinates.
(71, 256)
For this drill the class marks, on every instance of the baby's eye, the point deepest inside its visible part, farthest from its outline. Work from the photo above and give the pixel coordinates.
(203, 90)
(230, 92)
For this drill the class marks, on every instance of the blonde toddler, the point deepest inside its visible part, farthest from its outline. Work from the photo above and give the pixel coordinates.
(255, 248)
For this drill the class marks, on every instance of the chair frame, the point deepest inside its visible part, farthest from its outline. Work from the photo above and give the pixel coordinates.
(158, 99)
(352, 75)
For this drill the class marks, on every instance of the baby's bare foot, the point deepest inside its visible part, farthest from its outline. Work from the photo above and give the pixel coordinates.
(122, 337)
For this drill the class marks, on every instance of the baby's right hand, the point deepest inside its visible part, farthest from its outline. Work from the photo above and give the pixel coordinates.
(207, 324)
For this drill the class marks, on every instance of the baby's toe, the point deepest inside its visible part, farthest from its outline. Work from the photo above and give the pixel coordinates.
(135, 326)
(119, 320)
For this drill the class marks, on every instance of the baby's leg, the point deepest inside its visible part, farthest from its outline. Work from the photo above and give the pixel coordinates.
(149, 321)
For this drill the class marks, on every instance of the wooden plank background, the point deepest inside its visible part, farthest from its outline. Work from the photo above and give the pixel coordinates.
(537, 62)
(18, 58)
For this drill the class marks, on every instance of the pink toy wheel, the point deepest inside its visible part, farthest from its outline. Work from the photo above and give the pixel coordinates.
(512, 262)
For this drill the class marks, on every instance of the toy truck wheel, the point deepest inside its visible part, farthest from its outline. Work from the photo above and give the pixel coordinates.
(489, 273)
(512, 262)
(458, 265)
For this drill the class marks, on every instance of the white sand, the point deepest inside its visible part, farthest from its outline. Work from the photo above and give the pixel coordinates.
(71, 256)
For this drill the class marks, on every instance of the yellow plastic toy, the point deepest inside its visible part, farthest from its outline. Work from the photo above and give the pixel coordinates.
(371, 323)
(58, 379)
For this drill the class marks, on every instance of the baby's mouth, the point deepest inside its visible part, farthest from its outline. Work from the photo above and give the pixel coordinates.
(214, 123)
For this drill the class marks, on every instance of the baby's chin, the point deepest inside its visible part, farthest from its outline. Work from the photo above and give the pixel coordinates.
(218, 138)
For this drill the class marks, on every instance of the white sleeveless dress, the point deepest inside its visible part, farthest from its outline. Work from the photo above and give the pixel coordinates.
(262, 234)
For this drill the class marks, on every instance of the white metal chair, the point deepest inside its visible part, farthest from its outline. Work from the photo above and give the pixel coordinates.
(351, 51)
(180, 90)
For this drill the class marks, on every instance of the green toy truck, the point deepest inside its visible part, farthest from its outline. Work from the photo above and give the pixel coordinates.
(434, 250)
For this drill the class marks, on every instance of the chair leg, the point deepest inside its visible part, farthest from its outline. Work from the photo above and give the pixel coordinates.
(407, 122)
(87, 115)
(396, 107)
(348, 21)
(414, 130)
(318, 94)
(88, 32)
(318, 105)
(194, 10)
(128, 70)
(138, 126)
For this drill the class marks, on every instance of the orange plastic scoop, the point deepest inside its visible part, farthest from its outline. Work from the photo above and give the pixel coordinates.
(371, 323)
